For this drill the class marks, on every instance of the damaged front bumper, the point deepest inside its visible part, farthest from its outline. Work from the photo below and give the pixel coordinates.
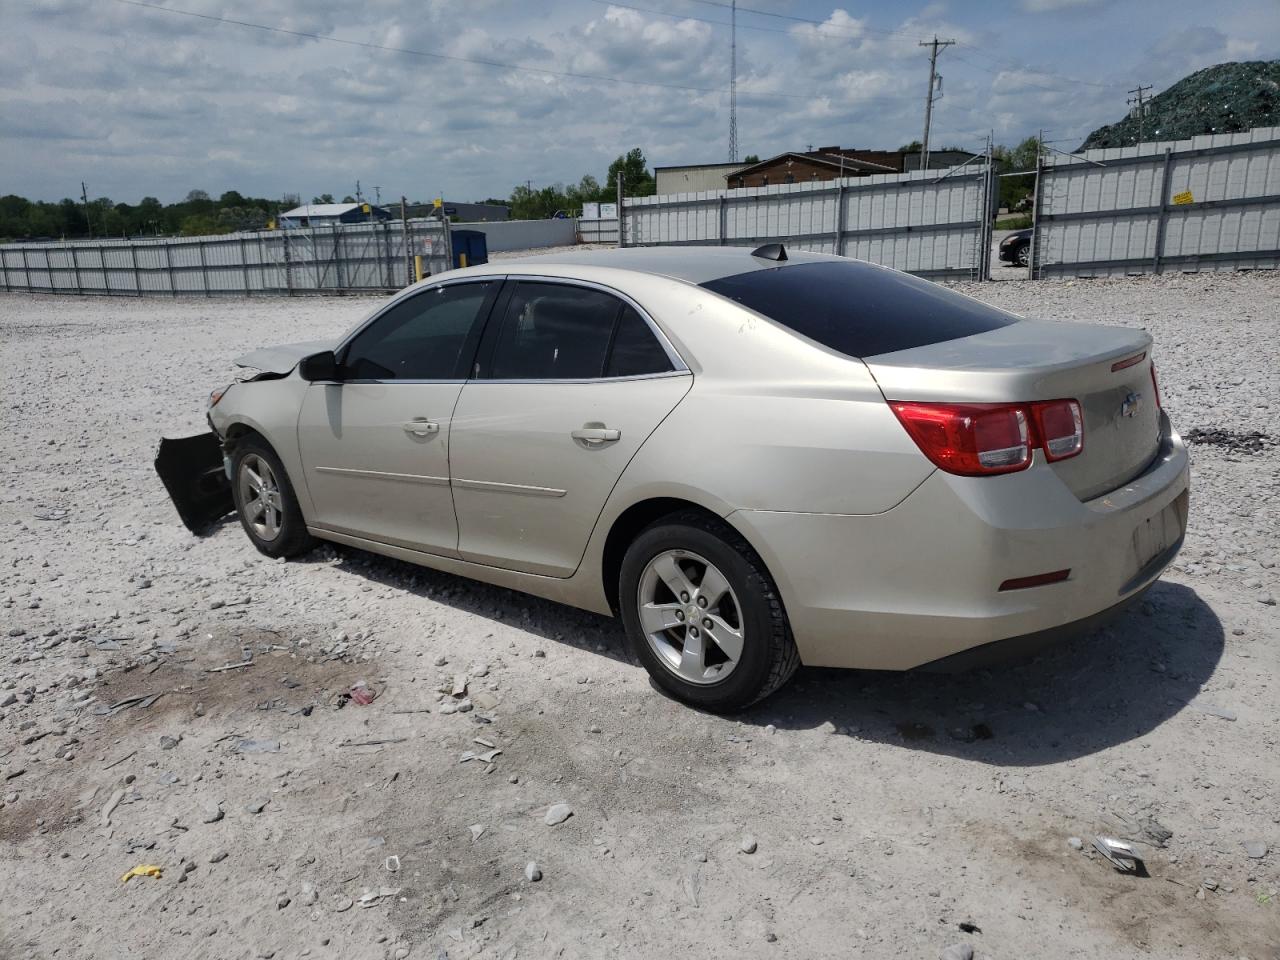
(197, 476)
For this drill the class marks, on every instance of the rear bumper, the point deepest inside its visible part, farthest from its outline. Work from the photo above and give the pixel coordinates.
(920, 583)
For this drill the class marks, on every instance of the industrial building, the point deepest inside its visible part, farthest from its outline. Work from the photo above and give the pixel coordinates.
(327, 214)
(832, 163)
(693, 177)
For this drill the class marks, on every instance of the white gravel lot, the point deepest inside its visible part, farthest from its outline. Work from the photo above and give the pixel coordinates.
(887, 809)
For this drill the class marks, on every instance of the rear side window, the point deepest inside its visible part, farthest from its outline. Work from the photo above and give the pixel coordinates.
(554, 331)
(636, 351)
(858, 309)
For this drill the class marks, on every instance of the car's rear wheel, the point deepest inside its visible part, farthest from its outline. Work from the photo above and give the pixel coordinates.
(265, 501)
(703, 615)
(1023, 254)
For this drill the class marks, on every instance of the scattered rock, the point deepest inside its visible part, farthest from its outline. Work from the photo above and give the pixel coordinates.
(1255, 849)
(168, 743)
(477, 831)
(257, 806)
(557, 813)
(532, 872)
(211, 813)
(1075, 843)
(258, 746)
(748, 844)
(957, 951)
(218, 857)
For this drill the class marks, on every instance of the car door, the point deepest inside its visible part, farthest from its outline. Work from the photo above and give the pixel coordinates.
(375, 444)
(570, 380)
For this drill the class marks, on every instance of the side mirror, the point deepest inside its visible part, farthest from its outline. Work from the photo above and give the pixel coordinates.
(319, 367)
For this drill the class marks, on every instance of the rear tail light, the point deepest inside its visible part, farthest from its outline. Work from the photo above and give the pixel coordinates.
(981, 439)
(1061, 428)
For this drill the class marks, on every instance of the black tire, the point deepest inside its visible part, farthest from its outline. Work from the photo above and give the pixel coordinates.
(1022, 256)
(292, 539)
(769, 656)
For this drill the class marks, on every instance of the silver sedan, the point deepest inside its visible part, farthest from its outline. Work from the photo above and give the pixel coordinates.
(756, 459)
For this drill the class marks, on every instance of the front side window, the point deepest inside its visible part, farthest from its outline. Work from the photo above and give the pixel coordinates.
(420, 338)
(554, 331)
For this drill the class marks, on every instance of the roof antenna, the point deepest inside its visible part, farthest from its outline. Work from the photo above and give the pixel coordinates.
(770, 251)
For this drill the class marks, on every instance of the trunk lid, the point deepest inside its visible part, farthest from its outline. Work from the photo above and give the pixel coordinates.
(1106, 369)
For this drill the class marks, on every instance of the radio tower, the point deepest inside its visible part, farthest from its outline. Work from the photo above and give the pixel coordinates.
(733, 82)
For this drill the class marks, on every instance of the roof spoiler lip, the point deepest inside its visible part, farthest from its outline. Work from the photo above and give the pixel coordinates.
(771, 251)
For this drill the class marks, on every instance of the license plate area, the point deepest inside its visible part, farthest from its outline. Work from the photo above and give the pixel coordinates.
(1157, 534)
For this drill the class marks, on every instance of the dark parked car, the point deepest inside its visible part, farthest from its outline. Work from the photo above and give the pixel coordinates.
(1016, 248)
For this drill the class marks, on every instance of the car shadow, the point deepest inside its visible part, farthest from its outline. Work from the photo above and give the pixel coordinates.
(1078, 698)
(552, 621)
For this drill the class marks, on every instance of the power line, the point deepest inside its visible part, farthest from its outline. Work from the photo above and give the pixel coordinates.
(827, 34)
(497, 64)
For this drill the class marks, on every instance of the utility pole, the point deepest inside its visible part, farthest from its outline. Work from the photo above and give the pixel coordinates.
(84, 195)
(931, 94)
(1139, 97)
(733, 82)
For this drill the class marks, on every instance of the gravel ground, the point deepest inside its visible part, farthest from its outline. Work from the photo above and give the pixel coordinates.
(888, 815)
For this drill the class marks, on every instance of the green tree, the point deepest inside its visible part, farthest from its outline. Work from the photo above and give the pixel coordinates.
(1015, 190)
(323, 198)
(751, 158)
(637, 181)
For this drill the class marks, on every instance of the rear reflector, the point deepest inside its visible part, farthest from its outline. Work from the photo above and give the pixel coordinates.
(1156, 387)
(1039, 580)
(1128, 362)
(980, 439)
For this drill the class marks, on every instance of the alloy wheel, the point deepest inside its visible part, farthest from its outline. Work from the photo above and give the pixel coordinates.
(260, 497)
(690, 616)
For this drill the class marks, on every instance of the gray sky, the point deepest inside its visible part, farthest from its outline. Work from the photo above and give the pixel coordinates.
(139, 101)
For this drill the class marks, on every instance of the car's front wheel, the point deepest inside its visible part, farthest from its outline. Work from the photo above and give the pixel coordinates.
(1023, 254)
(703, 615)
(265, 501)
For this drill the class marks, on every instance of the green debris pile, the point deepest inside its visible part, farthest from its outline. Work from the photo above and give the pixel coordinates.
(1227, 98)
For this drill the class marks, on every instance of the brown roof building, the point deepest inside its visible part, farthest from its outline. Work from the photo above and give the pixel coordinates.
(832, 163)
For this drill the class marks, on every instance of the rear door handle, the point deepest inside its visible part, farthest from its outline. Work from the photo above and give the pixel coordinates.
(421, 428)
(596, 435)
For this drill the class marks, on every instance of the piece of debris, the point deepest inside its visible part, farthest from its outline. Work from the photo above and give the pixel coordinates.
(371, 897)
(257, 746)
(230, 666)
(372, 743)
(460, 685)
(957, 951)
(748, 844)
(1213, 709)
(1255, 849)
(477, 831)
(111, 804)
(557, 813)
(362, 693)
(257, 806)
(1121, 855)
(967, 927)
(1156, 832)
(168, 743)
(142, 870)
(532, 872)
(392, 864)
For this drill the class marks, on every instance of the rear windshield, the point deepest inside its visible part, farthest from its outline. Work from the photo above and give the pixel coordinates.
(859, 309)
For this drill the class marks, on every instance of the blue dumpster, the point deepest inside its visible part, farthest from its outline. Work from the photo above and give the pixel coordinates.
(470, 247)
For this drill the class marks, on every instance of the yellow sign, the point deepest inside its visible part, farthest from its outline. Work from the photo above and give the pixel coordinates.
(1183, 198)
(438, 202)
(364, 208)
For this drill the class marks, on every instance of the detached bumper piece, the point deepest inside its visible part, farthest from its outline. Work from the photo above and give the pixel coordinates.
(192, 471)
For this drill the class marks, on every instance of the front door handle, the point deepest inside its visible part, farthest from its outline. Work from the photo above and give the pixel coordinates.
(421, 428)
(596, 435)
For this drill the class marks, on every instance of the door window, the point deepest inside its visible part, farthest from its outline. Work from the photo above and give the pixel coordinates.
(557, 331)
(421, 338)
